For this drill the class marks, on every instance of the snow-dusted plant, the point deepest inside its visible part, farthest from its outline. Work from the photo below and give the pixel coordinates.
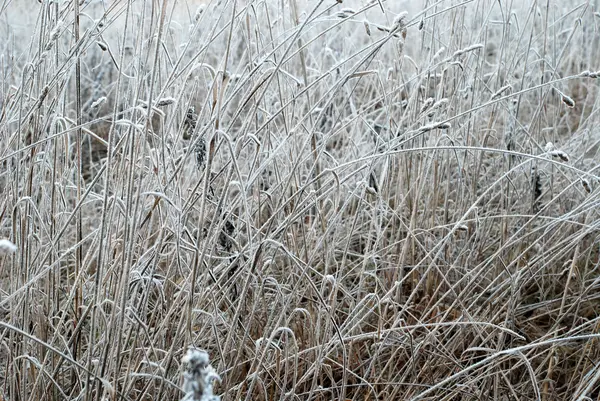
(199, 377)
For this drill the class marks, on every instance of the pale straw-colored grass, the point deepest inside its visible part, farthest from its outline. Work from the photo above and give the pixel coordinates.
(335, 200)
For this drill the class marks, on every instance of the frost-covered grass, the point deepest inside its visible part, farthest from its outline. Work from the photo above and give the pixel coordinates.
(391, 200)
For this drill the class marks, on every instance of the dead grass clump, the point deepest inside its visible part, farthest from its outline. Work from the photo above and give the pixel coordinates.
(335, 201)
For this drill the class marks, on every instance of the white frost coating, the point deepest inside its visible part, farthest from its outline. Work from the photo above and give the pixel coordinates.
(7, 247)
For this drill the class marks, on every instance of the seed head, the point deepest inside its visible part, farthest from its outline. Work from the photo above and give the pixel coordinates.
(462, 227)
(427, 104)
(226, 235)
(567, 100)
(200, 150)
(399, 20)
(54, 35)
(367, 27)
(56, 31)
(165, 101)
(560, 154)
(345, 13)
(586, 185)
(189, 124)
